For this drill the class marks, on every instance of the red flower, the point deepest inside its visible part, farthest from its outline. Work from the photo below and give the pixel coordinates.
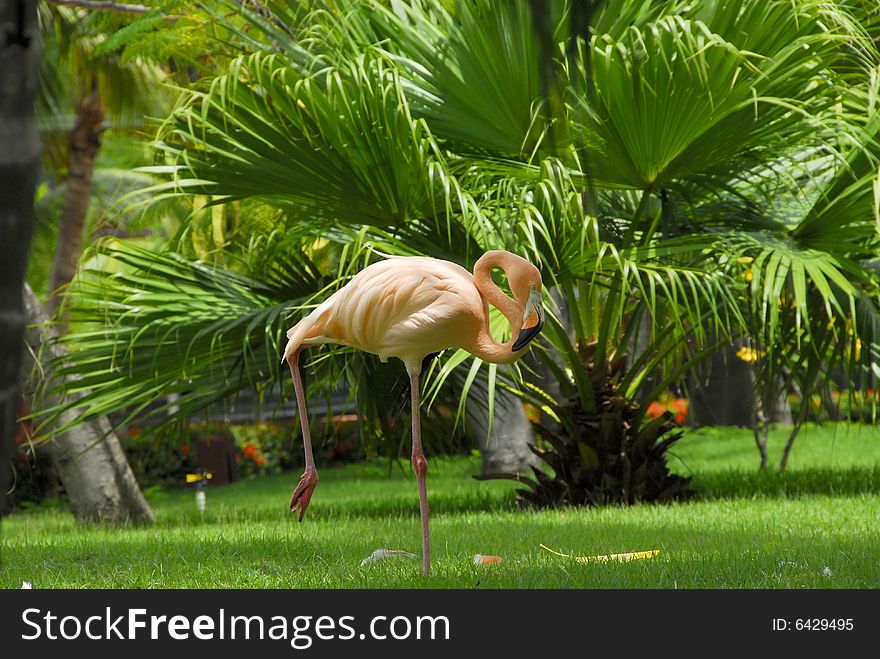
(134, 432)
(185, 448)
(250, 450)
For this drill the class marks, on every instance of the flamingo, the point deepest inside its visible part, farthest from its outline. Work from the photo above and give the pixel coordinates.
(409, 308)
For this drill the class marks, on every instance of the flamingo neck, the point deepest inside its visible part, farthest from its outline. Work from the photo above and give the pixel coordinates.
(485, 346)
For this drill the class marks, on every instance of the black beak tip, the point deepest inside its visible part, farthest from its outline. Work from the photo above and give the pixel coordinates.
(527, 335)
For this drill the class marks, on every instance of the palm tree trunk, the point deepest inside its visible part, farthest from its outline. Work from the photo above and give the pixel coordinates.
(97, 478)
(85, 140)
(91, 464)
(19, 169)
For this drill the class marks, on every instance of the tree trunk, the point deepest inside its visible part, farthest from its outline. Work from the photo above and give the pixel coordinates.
(85, 140)
(783, 463)
(19, 169)
(99, 483)
(722, 392)
(504, 446)
(801, 418)
(761, 429)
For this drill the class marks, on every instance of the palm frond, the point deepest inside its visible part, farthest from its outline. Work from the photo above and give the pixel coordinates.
(674, 99)
(157, 324)
(340, 144)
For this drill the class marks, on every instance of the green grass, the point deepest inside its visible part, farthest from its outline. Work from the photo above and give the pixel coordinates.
(748, 530)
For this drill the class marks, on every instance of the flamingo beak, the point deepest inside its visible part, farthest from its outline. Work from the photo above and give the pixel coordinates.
(533, 321)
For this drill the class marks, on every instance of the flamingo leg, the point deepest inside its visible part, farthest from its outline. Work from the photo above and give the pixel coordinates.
(420, 466)
(309, 480)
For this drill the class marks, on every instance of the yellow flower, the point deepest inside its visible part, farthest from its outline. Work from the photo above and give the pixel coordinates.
(749, 355)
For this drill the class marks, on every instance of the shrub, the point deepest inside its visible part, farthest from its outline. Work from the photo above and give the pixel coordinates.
(845, 405)
(158, 460)
(265, 448)
(34, 477)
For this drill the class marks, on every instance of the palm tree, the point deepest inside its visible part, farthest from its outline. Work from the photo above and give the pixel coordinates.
(637, 162)
(79, 73)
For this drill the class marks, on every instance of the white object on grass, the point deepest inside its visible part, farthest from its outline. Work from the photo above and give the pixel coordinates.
(201, 500)
(826, 572)
(381, 554)
(26, 585)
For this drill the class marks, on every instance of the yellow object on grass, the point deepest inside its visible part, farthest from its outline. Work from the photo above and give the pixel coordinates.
(622, 558)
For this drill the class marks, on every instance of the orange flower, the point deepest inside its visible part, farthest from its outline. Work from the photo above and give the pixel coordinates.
(250, 450)
(185, 448)
(134, 432)
(655, 410)
(259, 460)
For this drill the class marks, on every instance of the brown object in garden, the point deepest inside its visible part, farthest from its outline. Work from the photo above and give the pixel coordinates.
(216, 453)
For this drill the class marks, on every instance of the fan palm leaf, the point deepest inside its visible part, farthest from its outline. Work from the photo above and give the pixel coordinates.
(673, 100)
(338, 144)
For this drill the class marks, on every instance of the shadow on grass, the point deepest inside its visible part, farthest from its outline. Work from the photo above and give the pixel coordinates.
(369, 492)
(738, 484)
(387, 506)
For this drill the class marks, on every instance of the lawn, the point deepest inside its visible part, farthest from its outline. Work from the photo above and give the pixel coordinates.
(816, 527)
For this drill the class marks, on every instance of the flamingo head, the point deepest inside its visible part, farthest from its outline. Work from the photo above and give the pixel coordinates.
(533, 310)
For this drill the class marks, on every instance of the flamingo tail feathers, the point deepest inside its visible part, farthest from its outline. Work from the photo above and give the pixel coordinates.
(309, 327)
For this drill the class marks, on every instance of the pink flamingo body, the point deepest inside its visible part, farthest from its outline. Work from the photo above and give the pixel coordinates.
(411, 307)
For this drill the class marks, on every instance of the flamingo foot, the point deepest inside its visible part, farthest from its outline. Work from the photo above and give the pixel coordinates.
(303, 492)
